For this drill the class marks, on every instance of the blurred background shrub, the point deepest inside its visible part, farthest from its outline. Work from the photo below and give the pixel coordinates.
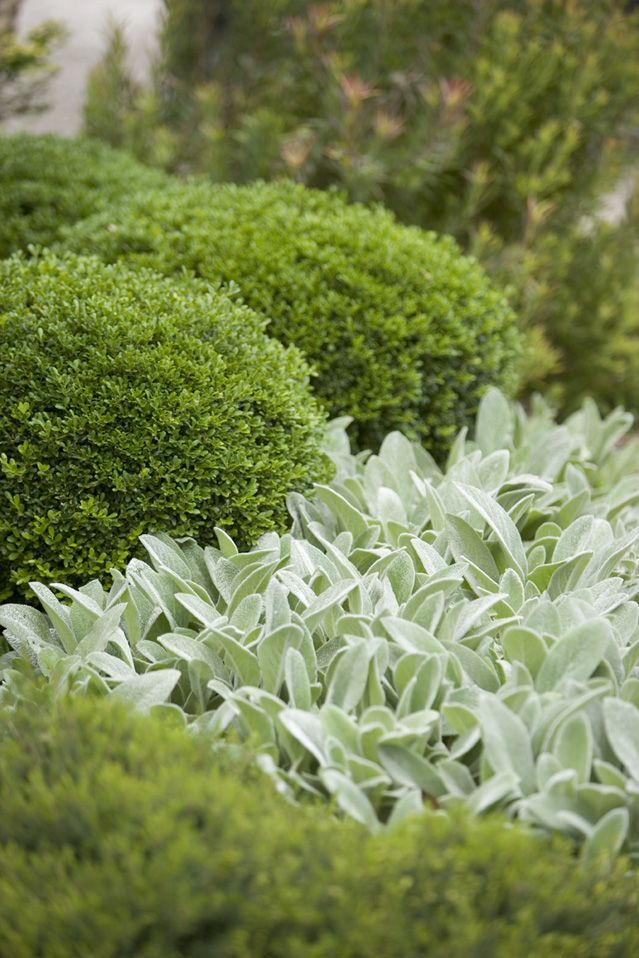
(47, 183)
(25, 65)
(501, 122)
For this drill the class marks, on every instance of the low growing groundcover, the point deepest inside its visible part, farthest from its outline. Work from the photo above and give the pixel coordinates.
(455, 638)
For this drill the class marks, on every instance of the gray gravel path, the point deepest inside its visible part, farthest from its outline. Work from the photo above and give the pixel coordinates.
(86, 22)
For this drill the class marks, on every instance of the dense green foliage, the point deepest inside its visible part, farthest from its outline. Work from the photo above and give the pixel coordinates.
(120, 838)
(401, 330)
(466, 637)
(501, 122)
(47, 182)
(132, 403)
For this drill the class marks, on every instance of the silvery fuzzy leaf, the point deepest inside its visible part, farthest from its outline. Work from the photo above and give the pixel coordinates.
(225, 543)
(412, 770)
(250, 581)
(401, 574)
(410, 636)
(159, 591)
(567, 575)
(112, 666)
(506, 741)
(525, 645)
(58, 614)
(348, 677)
(235, 655)
(492, 471)
(142, 692)
(467, 544)
(307, 729)
(609, 775)
(464, 615)
(166, 554)
(84, 601)
(456, 777)
(410, 803)
(573, 746)
(561, 707)
(431, 561)
(458, 449)
(350, 798)
(574, 507)
(296, 678)
(500, 524)
(105, 629)
(329, 600)
(501, 790)
(425, 608)
(551, 454)
(479, 670)
(189, 649)
(247, 614)
(495, 422)
(399, 454)
(271, 654)
(436, 508)
(608, 836)
(576, 655)
(27, 628)
(546, 767)
(203, 612)
(621, 720)
(574, 540)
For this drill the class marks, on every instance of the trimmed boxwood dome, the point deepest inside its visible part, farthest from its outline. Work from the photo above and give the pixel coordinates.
(130, 402)
(402, 330)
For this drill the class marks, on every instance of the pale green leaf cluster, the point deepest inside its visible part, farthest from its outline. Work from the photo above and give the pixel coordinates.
(457, 636)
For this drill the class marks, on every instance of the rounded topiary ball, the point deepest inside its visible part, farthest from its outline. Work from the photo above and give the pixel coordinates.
(47, 182)
(403, 332)
(131, 403)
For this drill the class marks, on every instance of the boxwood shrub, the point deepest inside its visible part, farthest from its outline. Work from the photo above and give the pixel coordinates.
(47, 182)
(131, 402)
(403, 331)
(121, 837)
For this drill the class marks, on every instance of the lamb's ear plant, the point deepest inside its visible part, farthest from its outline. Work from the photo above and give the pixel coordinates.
(459, 636)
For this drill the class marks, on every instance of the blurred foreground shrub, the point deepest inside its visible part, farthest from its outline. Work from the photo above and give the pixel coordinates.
(120, 837)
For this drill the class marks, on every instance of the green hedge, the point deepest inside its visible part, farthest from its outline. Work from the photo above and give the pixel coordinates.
(121, 838)
(130, 402)
(402, 330)
(47, 182)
